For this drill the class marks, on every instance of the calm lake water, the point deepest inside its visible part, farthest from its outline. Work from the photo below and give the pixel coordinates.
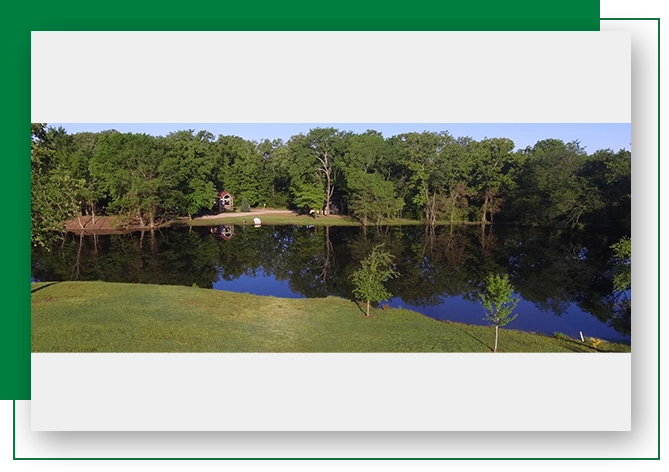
(563, 277)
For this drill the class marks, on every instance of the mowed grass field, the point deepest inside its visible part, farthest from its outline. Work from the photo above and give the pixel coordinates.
(292, 219)
(111, 317)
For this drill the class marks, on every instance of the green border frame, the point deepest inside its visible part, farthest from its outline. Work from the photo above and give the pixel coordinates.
(480, 15)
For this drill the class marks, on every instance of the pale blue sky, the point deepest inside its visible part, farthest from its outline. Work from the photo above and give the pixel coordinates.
(593, 136)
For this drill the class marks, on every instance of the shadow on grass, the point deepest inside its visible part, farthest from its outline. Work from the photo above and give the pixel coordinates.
(578, 346)
(42, 286)
(455, 325)
(576, 349)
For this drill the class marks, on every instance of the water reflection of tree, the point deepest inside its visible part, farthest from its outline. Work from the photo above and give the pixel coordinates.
(621, 316)
(488, 240)
(549, 268)
(307, 265)
(454, 248)
(556, 268)
(252, 251)
(325, 269)
(541, 266)
(175, 258)
(64, 258)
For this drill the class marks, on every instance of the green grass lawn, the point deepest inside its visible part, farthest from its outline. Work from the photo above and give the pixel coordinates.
(110, 317)
(304, 220)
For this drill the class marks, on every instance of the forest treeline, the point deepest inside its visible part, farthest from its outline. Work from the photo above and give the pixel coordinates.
(429, 176)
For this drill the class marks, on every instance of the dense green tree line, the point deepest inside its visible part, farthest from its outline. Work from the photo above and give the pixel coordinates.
(427, 176)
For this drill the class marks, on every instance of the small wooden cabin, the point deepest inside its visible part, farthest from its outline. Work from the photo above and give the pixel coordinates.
(224, 202)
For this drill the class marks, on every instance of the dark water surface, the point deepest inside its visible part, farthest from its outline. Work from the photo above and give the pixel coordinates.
(563, 277)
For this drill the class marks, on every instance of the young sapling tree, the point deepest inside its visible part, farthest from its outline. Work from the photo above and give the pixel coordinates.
(369, 279)
(498, 301)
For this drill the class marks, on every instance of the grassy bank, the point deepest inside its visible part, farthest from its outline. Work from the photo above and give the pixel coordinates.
(109, 317)
(306, 220)
(303, 220)
(122, 224)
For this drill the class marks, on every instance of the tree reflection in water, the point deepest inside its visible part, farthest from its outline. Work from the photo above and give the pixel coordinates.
(556, 270)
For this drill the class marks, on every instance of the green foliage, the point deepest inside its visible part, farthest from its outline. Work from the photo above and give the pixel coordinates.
(56, 198)
(373, 198)
(370, 194)
(56, 195)
(188, 173)
(307, 196)
(369, 279)
(561, 184)
(278, 200)
(622, 269)
(498, 301)
(245, 174)
(129, 168)
(430, 176)
(422, 159)
(494, 169)
(313, 162)
(245, 205)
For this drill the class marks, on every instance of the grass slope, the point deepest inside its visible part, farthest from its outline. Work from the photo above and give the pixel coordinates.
(110, 317)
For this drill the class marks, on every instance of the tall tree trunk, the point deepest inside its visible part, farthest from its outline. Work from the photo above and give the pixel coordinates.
(141, 218)
(367, 309)
(454, 204)
(328, 195)
(329, 190)
(427, 204)
(484, 209)
(496, 336)
(152, 216)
